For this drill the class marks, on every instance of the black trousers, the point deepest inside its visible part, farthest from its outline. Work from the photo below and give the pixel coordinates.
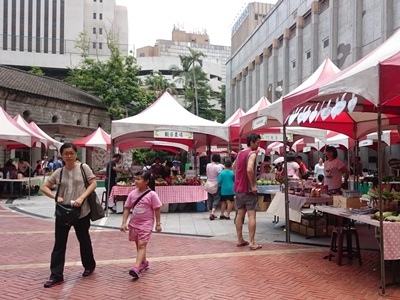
(60, 246)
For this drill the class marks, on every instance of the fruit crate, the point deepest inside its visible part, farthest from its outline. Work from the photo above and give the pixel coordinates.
(268, 189)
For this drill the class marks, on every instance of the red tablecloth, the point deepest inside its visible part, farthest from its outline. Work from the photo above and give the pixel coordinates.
(168, 194)
(181, 193)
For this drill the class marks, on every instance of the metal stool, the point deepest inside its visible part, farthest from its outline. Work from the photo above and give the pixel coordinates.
(104, 198)
(337, 248)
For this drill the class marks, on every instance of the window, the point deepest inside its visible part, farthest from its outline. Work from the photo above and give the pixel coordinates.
(101, 16)
(100, 45)
(100, 30)
(94, 45)
(94, 30)
(308, 54)
(293, 64)
(326, 42)
(54, 119)
(307, 18)
(94, 16)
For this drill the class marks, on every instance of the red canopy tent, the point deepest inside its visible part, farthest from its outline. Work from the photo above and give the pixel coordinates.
(99, 138)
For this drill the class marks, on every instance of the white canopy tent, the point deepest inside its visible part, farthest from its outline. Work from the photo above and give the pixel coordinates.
(12, 134)
(167, 115)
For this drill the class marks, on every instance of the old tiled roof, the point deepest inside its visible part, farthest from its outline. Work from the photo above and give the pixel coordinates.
(22, 81)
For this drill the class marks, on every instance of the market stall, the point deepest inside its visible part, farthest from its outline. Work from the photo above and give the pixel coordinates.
(167, 194)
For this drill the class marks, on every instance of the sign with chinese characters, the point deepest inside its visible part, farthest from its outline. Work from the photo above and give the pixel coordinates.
(173, 134)
(276, 137)
(306, 149)
(259, 122)
(365, 143)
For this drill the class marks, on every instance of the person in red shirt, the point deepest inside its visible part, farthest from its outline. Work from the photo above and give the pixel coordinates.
(246, 190)
(303, 168)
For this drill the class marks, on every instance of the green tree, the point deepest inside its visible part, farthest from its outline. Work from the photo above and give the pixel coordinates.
(115, 81)
(37, 71)
(158, 84)
(195, 85)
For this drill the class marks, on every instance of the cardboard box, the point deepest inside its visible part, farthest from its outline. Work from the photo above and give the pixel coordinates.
(262, 204)
(319, 231)
(303, 229)
(294, 226)
(311, 222)
(340, 201)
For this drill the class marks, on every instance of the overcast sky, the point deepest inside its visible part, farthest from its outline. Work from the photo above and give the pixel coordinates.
(150, 20)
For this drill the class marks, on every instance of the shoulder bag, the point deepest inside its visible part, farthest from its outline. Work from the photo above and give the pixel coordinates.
(66, 214)
(96, 209)
(140, 198)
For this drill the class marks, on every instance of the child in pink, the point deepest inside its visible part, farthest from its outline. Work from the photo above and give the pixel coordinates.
(142, 220)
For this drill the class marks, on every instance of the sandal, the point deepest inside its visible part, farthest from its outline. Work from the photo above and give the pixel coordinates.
(244, 243)
(255, 247)
(212, 217)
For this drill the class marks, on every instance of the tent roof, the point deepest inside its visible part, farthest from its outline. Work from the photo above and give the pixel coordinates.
(11, 133)
(99, 138)
(325, 71)
(166, 114)
(36, 137)
(50, 140)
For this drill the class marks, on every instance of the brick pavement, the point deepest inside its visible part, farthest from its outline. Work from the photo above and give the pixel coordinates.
(180, 268)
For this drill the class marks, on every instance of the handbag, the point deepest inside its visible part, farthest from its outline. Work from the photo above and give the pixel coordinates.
(66, 214)
(96, 209)
(211, 187)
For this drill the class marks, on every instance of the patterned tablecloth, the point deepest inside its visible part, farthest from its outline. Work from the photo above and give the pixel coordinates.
(391, 237)
(168, 194)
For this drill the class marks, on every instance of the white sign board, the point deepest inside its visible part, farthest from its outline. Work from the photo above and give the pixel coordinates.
(173, 134)
(259, 122)
(306, 149)
(276, 137)
(190, 174)
(365, 143)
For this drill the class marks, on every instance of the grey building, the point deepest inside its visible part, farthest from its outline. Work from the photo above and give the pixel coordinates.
(296, 36)
(43, 33)
(294, 39)
(165, 54)
(62, 111)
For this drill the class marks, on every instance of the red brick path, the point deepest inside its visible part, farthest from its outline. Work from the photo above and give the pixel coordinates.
(180, 268)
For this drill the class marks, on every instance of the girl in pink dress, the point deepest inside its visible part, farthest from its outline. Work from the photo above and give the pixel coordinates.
(145, 206)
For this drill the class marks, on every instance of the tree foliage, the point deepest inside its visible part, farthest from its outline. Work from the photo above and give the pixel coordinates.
(157, 83)
(115, 81)
(196, 85)
(37, 71)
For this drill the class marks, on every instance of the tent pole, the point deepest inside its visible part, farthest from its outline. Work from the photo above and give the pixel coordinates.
(380, 164)
(109, 175)
(286, 182)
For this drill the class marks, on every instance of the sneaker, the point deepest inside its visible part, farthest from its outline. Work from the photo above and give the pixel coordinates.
(144, 266)
(134, 272)
(52, 282)
(87, 272)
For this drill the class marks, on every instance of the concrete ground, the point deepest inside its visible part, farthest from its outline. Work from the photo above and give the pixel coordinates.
(194, 258)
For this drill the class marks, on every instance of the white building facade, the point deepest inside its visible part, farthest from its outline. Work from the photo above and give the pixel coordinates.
(43, 33)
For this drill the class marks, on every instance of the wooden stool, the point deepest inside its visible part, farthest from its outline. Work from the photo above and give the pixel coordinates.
(338, 249)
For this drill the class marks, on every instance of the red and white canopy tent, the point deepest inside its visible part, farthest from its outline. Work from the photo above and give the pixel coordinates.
(156, 145)
(166, 120)
(50, 140)
(99, 138)
(37, 139)
(11, 133)
(367, 97)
